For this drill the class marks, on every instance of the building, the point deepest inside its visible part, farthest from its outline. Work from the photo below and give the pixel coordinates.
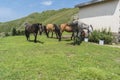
(101, 14)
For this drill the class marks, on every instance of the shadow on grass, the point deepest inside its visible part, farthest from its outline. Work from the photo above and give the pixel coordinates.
(36, 41)
(66, 40)
(72, 43)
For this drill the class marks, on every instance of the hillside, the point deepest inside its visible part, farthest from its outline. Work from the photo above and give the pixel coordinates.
(50, 16)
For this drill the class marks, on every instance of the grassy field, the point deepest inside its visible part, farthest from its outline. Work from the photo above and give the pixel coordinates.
(52, 60)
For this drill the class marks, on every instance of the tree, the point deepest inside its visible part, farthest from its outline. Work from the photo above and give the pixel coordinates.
(18, 32)
(14, 32)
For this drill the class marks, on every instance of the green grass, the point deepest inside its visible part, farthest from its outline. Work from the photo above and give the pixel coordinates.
(53, 60)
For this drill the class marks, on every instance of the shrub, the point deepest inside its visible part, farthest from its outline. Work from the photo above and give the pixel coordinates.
(4, 34)
(14, 32)
(20, 32)
(101, 35)
(17, 32)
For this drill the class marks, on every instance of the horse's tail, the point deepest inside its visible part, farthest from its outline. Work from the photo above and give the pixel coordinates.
(57, 31)
(39, 28)
(45, 30)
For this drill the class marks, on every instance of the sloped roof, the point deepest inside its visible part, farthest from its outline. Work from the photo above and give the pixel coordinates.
(90, 3)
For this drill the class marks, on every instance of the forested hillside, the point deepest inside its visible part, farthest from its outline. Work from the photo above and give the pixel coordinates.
(49, 16)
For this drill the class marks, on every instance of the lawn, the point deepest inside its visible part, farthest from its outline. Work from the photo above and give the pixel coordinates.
(52, 60)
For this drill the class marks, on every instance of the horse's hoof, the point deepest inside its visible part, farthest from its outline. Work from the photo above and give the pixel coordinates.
(35, 41)
(59, 40)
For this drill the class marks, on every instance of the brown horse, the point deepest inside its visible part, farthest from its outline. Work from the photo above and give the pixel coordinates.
(66, 27)
(70, 28)
(53, 28)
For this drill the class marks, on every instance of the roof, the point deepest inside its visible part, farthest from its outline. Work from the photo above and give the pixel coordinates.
(90, 3)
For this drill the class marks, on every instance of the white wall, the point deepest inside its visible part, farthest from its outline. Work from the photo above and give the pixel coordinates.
(102, 15)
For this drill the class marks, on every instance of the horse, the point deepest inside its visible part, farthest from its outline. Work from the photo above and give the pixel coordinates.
(52, 28)
(78, 30)
(33, 28)
(66, 27)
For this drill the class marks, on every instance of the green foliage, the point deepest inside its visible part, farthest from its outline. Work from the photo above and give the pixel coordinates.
(17, 32)
(4, 34)
(49, 59)
(20, 32)
(101, 35)
(7, 34)
(14, 32)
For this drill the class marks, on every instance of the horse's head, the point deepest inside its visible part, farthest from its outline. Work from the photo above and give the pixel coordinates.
(90, 29)
(75, 21)
(40, 28)
(26, 24)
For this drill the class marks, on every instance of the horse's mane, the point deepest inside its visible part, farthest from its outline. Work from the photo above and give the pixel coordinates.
(27, 24)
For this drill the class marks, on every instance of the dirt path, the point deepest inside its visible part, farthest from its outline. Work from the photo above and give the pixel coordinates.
(116, 46)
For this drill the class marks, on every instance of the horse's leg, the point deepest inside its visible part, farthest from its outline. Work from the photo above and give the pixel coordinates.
(48, 34)
(56, 34)
(59, 36)
(35, 34)
(27, 35)
(52, 35)
(74, 39)
(80, 38)
(61, 33)
(72, 35)
(28, 38)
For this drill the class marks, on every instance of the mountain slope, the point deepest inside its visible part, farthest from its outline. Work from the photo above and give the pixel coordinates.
(45, 17)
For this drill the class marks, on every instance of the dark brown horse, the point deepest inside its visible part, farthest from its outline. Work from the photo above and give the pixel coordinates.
(32, 28)
(53, 28)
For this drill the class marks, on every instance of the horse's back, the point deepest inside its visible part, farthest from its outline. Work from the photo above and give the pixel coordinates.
(36, 26)
(32, 27)
(63, 25)
(68, 29)
(50, 27)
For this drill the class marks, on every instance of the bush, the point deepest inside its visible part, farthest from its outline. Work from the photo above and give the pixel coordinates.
(14, 32)
(20, 32)
(4, 34)
(17, 32)
(101, 35)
